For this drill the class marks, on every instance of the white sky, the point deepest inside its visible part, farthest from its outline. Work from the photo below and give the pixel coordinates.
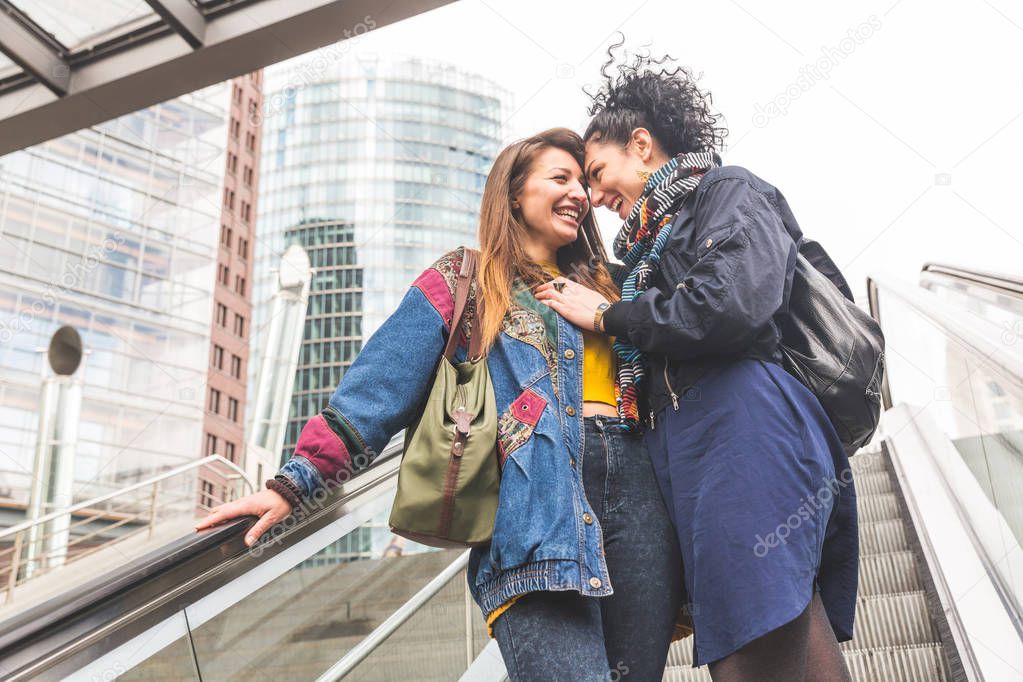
(934, 89)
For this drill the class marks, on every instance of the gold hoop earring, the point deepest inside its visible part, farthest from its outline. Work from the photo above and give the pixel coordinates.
(644, 175)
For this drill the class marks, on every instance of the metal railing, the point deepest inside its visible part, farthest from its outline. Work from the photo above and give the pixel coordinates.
(36, 547)
(369, 644)
(993, 280)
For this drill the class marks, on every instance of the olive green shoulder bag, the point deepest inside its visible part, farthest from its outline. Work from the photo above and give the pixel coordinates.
(449, 478)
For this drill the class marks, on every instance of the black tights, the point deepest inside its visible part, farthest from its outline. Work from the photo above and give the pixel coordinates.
(802, 649)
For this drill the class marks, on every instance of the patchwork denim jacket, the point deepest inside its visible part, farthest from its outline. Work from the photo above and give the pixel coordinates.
(546, 536)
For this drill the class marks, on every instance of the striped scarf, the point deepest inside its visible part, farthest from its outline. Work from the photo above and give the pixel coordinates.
(639, 244)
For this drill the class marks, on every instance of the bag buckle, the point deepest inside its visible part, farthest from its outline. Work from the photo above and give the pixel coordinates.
(463, 421)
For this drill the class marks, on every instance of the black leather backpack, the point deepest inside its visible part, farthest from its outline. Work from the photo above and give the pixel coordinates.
(832, 346)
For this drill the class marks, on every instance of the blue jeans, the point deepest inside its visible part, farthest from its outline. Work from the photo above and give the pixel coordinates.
(566, 636)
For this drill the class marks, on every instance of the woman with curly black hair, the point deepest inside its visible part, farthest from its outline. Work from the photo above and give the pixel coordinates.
(753, 473)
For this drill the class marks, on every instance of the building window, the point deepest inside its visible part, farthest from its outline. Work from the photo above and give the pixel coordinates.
(225, 235)
(223, 274)
(236, 127)
(239, 285)
(247, 175)
(239, 325)
(211, 444)
(229, 198)
(246, 211)
(229, 450)
(222, 314)
(218, 356)
(243, 248)
(206, 499)
(236, 367)
(213, 404)
(232, 409)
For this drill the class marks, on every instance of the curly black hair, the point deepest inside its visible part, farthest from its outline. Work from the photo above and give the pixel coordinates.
(658, 95)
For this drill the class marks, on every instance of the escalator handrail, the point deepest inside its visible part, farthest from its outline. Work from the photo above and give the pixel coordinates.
(1003, 359)
(191, 561)
(1001, 282)
(374, 639)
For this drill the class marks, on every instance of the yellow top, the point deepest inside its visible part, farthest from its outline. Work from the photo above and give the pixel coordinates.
(598, 361)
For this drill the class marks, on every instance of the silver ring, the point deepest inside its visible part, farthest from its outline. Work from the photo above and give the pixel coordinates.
(559, 286)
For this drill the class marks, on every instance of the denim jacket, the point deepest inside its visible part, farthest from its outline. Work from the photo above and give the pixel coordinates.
(546, 536)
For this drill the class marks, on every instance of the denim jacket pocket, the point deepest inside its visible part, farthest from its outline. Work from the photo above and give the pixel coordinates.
(517, 423)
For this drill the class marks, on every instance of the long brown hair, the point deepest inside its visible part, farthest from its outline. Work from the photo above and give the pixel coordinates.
(502, 233)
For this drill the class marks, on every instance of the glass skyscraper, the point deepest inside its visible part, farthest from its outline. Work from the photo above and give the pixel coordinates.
(113, 229)
(377, 168)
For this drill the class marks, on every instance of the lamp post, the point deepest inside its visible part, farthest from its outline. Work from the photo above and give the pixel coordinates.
(53, 467)
(280, 359)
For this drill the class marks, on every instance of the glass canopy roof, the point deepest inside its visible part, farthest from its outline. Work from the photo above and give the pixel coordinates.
(75, 23)
(72, 28)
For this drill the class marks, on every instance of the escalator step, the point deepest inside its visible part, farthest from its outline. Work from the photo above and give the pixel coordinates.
(921, 663)
(890, 573)
(686, 674)
(874, 508)
(873, 483)
(882, 536)
(681, 652)
(887, 620)
(892, 620)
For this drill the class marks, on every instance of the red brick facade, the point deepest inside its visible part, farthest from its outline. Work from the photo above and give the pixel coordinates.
(224, 424)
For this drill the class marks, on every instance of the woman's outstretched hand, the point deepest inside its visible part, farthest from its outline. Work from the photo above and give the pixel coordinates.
(575, 302)
(268, 505)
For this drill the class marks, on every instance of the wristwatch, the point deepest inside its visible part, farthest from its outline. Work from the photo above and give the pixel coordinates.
(598, 317)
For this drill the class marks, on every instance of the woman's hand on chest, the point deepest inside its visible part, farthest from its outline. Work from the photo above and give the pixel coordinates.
(574, 302)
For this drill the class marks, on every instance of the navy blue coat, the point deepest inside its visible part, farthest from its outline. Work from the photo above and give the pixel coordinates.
(725, 274)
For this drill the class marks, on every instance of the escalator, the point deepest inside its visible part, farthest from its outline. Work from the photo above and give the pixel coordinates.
(940, 495)
(207, 607)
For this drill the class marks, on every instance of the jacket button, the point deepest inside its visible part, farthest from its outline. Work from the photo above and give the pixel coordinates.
(595, 583)
(570, 411)
(571, 460)
(588, 519)
(569, 354)
(708, 243)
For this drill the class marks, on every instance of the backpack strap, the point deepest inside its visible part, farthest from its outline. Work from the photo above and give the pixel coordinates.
(466, 275)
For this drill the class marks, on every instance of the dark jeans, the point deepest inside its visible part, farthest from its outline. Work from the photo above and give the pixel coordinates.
(566, 636)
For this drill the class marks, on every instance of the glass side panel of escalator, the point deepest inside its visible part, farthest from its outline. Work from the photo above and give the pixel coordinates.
(437, 643)
(980, 409)
(298, 624)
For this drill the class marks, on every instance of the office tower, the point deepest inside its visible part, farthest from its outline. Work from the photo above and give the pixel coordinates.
(376, 167)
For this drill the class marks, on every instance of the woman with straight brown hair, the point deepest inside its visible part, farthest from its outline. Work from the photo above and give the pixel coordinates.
(582, 577)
